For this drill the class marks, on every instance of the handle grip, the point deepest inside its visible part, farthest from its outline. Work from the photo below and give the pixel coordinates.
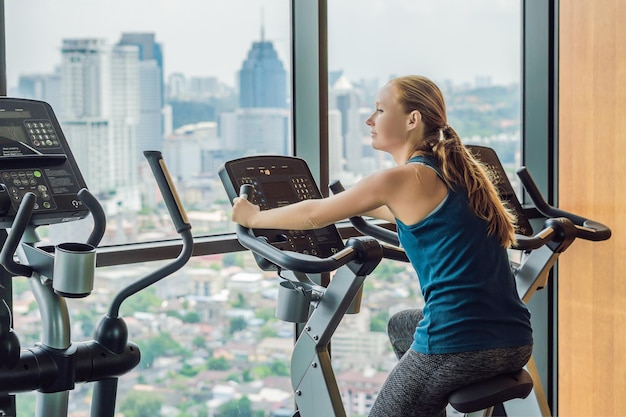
(288, 260)
(21, 221)
(245, 191)
(170, 196)
(97, 212)
(585, 228)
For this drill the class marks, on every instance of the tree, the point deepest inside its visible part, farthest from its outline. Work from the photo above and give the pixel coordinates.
(145, 300)
(218, 364)
(378, 323)
(237, 324)
(280, 368)
(141, 404)
(156, 346)
(236, 408)
(191, 317)
(198, 342)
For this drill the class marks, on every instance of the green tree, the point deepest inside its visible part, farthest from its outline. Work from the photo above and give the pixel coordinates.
(161, 345)
(378, 322)
(236, 408)
(188, 370)
(267, 330)
(191, 317)
(218, 364)
(237, 324)
(280, 368)
(198, 342)
(241, 301)
(145, 300)
(141, 404)
(88, 320)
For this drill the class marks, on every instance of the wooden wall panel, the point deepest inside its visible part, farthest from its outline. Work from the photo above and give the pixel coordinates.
(592, 182)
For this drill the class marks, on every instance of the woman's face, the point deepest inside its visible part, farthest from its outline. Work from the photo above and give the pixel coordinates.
(389, 122)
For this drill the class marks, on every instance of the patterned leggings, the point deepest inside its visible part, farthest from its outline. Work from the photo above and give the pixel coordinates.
(419, 384)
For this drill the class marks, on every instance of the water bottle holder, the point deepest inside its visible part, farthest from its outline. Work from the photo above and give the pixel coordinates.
(294, 301)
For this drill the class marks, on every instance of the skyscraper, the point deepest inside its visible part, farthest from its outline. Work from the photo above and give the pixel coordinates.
(262, 124)
(262, 78)
(100, 110)
(150, 124)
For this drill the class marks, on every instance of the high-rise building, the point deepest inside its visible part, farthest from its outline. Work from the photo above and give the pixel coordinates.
(150, 123)
(256, 131)
(262, 124)
(45, 87)
(100, 112)
(262, 78)
(347, 102)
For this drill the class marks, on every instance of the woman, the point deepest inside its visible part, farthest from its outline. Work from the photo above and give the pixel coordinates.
(455, 231)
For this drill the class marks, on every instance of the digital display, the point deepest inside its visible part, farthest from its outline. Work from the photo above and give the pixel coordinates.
(16, 133)
(14, 114)
(275, 190)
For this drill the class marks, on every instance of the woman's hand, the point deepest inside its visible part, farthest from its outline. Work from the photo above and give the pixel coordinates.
(244, 212)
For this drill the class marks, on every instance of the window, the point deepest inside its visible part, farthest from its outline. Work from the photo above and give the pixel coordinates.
(201, 82)
(472, 50)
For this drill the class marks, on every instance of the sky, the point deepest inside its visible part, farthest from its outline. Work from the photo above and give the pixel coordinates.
(443, 39)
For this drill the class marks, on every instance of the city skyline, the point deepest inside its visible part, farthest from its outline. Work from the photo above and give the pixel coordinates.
(451, 39)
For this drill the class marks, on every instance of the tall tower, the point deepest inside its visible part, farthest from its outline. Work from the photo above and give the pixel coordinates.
(262, 124)
(150, 124)
(262, 78)
(100, 111)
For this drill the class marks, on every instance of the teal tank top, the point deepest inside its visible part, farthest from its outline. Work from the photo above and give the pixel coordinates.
(471, 300)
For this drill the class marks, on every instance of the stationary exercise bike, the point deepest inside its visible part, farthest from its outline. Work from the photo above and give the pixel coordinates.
(40, 184)
(299, 256)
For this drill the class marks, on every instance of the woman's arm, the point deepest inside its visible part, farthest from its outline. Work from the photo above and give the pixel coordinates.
(367, 197)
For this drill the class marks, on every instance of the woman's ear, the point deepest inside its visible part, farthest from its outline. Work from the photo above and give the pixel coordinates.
(415, 117)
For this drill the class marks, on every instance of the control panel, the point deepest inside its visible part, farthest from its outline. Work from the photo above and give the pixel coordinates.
(279, 181)
(35, 157)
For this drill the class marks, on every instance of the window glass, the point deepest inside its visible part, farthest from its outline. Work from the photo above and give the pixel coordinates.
(472, 50)
(200, 81)
(203, 82)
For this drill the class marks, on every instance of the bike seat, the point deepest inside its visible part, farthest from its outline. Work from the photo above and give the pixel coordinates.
(491, 392)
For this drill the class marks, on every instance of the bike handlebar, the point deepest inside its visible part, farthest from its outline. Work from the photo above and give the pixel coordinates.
(289, 260)
(295, 261)
(183, 227)
(164, 181)
(585, 228)
(18, 227)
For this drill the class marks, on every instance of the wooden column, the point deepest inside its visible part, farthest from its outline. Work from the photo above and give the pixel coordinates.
(592, 182)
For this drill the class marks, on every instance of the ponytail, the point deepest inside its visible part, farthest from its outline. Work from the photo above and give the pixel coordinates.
(460, 167)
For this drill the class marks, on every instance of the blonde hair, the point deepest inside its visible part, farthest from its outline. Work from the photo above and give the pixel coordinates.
(458, 164)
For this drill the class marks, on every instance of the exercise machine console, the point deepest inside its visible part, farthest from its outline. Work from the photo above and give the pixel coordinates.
(35, 158)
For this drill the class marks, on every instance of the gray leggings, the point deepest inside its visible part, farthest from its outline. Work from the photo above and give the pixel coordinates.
(419, 384)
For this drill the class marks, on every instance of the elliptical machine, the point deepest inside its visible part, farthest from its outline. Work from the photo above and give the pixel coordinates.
(41, 185)
(272, 181)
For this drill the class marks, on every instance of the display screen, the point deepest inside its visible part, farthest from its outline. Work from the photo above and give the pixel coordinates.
(16, 133)
(282, 190)
(22, 114)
